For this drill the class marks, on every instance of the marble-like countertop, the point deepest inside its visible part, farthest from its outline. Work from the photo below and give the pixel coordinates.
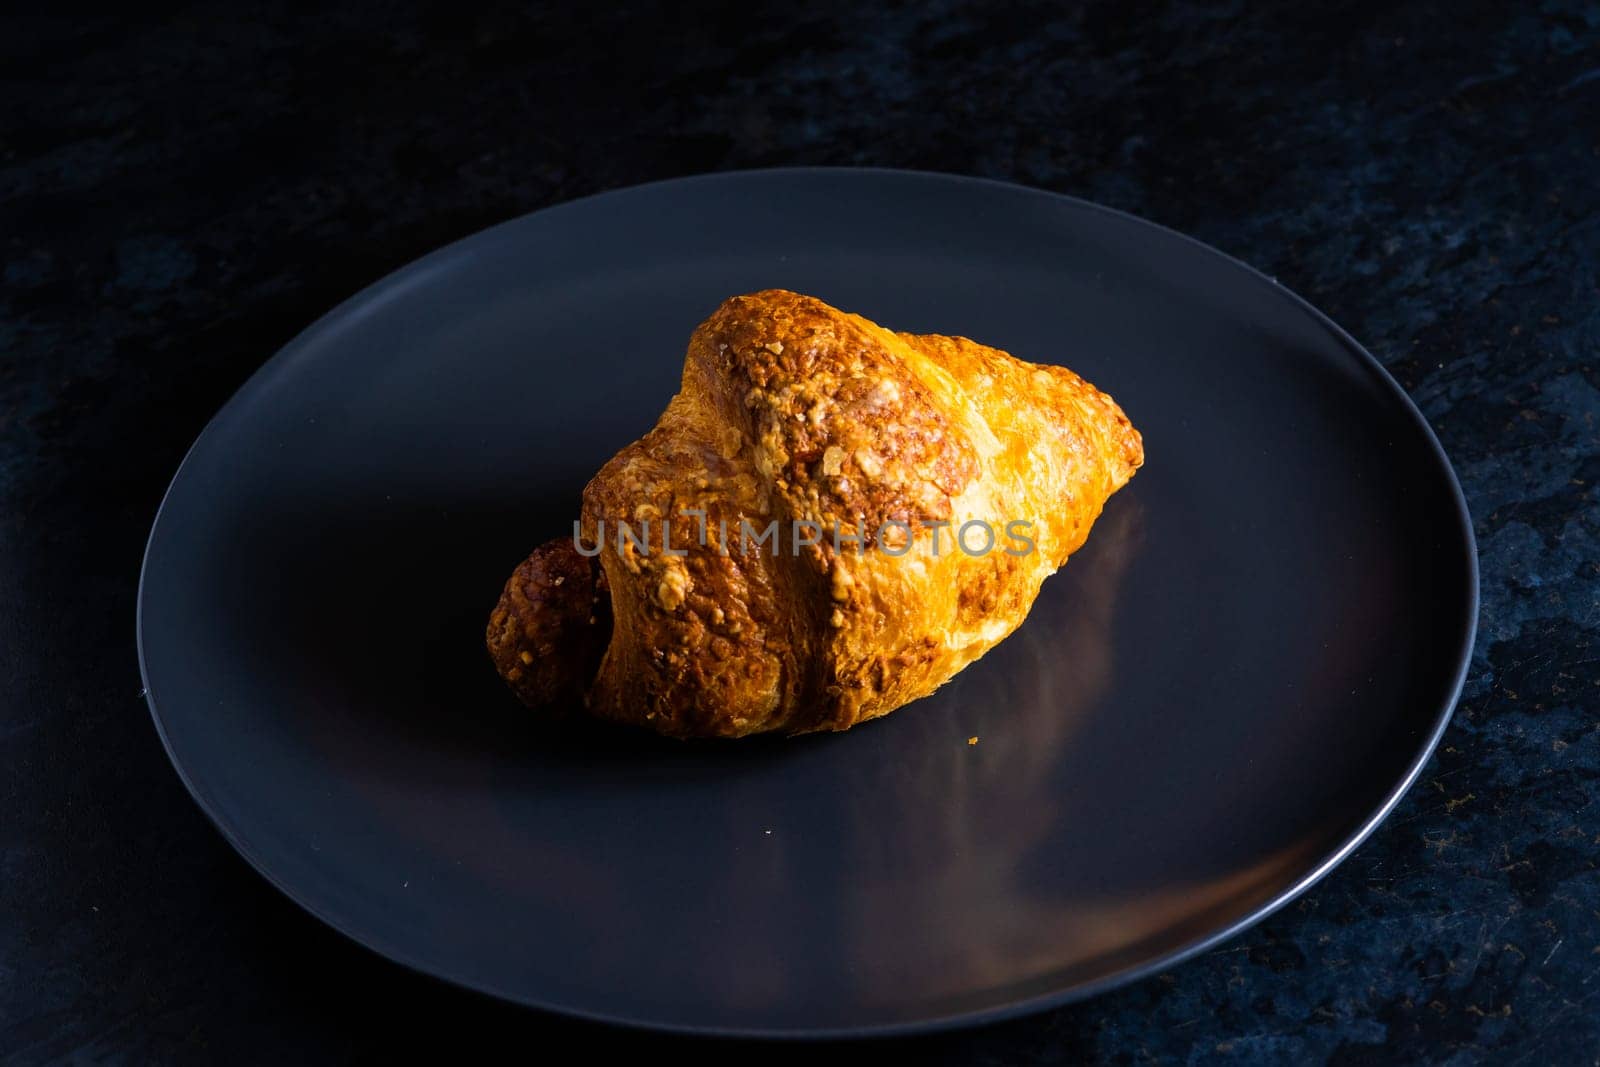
(182, 189)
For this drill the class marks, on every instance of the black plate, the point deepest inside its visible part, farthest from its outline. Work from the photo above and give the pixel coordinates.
(1209, 707)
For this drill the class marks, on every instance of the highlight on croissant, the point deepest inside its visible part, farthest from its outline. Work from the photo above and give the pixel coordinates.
(893, 537)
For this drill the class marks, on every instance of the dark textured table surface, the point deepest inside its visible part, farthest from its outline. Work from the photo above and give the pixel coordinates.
(182, 190)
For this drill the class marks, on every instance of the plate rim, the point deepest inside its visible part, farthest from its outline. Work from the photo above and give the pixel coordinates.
(388, 285)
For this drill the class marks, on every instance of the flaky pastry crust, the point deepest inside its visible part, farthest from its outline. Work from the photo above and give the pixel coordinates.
(794, 411)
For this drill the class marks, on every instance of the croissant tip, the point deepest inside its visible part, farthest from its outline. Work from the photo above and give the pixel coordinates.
(550, 626)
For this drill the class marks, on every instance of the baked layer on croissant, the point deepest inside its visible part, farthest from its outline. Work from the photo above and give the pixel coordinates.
(791, 411)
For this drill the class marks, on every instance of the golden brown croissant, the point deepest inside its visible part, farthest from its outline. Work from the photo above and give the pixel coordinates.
(828, 521)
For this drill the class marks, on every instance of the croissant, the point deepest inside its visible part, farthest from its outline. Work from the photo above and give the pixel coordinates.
(829, 520)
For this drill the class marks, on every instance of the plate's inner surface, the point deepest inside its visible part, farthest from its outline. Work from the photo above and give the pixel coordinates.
(1208, 700)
